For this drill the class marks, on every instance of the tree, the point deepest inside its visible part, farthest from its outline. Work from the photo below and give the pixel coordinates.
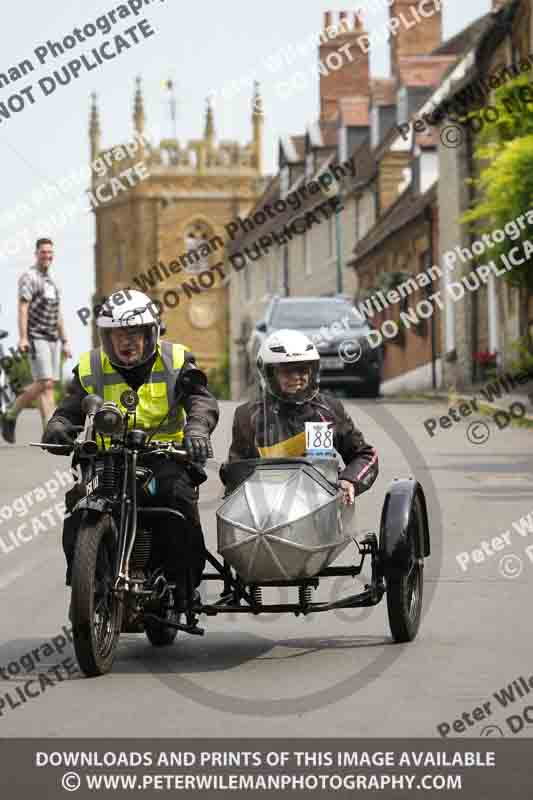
(504, 148)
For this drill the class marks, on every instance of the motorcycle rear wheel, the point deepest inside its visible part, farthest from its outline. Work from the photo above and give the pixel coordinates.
(96, 611)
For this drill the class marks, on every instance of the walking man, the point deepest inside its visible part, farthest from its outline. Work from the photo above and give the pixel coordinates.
(41, 330)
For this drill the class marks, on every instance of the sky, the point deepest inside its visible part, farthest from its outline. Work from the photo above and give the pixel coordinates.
(205, 49)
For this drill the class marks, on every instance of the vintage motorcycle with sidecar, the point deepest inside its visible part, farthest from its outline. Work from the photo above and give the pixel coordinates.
(281, 524)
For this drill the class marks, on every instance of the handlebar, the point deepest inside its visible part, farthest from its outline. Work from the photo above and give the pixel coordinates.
(179, 453)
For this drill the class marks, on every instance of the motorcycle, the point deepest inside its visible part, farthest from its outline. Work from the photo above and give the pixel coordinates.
(281, 524)
(114, 588)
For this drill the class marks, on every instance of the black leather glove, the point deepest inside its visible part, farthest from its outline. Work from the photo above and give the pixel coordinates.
(198, 444)
(60, 431)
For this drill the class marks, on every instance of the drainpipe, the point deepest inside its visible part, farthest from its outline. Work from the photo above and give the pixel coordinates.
(428, 213)
(474, 321)
(339, 251)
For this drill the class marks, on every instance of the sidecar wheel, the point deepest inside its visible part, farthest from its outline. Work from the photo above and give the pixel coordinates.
(96, 610)
(405, 590)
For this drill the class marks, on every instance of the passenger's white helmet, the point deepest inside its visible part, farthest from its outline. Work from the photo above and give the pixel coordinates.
(288, 347)
(138, 314)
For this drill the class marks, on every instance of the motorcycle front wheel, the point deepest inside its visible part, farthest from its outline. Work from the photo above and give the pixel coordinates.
(96, 610)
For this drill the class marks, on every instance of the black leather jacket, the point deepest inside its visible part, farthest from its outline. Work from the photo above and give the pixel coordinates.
(360, 458)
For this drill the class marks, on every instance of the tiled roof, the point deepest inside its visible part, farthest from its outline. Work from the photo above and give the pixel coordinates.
(465, 39)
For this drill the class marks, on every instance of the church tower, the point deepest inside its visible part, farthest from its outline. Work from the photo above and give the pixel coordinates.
(176, 202)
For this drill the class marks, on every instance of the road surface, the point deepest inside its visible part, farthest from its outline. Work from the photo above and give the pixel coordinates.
(334, 674)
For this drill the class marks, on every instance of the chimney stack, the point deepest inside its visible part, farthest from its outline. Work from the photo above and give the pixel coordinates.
(344, 66)
(412, 34)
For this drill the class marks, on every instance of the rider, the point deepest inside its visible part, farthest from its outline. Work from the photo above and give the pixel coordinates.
(132, 356)
(289, 369)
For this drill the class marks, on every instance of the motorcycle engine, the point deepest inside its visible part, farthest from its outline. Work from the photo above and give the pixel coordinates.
(141, 553)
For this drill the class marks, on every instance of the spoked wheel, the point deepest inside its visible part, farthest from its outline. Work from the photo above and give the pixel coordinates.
(96, 610)
(404, 591)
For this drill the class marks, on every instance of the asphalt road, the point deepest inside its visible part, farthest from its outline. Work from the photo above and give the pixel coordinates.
(334, 674)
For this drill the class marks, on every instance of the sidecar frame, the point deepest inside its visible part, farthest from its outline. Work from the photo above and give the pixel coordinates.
(390, 558)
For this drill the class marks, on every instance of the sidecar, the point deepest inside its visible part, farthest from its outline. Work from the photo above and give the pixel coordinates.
(282, 524)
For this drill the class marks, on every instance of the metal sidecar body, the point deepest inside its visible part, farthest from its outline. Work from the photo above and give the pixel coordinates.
(285, 520)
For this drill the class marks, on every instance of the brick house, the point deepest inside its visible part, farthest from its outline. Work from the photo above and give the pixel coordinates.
(315, 262)
(495, 315)
(397, 234)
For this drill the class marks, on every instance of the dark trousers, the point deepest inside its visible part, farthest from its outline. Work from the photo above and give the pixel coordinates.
(176, 545)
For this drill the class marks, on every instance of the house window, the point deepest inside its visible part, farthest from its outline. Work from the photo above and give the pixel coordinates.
(402, 106)
(309, 165)
(343, 143)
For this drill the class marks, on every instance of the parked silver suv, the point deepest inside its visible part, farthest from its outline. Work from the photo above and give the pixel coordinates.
(329, 322)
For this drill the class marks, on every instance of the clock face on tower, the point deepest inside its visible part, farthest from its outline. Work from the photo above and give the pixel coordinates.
(202, 315)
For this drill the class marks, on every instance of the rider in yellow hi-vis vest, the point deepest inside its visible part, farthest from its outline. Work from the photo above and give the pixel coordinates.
(132, 356)
(97, 375)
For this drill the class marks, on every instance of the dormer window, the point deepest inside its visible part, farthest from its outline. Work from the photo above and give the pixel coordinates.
(343, 143)
(402, 106)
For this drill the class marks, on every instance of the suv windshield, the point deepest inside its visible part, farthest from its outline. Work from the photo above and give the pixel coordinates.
(313, 315)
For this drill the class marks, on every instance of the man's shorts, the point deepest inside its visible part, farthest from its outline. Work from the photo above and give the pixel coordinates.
(44, 359)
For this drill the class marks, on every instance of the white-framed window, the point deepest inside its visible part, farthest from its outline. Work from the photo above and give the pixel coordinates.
(343, 143)
(402, 106)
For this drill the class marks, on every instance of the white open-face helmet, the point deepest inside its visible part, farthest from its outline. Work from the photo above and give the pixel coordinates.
(136, 314)
(283, 348)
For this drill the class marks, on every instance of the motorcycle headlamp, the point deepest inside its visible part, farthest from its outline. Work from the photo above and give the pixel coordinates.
(109, 421)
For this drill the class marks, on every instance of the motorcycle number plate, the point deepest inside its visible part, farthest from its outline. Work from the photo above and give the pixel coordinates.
(319, 438)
